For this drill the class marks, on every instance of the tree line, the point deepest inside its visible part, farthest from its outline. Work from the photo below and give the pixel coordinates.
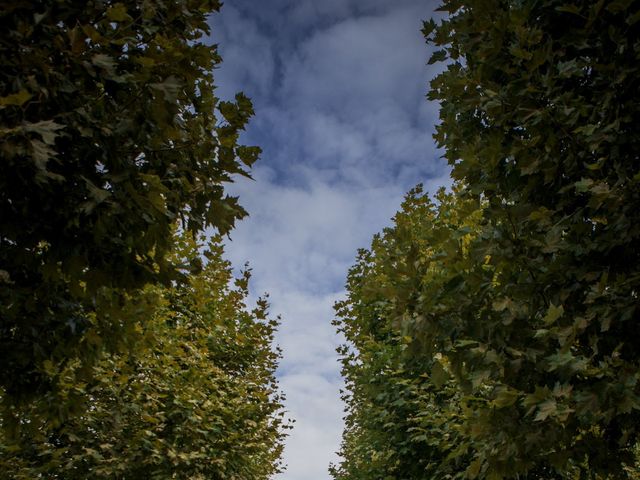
(127, 348)
(492, 330)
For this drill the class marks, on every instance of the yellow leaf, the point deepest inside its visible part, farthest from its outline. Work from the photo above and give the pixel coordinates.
(553, 314)
(118, 13)
(18, 99)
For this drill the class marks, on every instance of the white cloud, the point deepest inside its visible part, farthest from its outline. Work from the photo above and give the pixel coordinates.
(244, 40)
(346, 68)
(339, 90)
(312, 443)
(301, 242)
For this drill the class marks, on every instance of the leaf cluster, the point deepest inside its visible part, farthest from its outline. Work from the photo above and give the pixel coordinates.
(196, 399)
(110, 134)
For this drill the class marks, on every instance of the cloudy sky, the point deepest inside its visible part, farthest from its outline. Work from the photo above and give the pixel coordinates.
(339, 91)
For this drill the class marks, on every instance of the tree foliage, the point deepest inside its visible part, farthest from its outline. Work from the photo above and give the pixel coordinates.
(533, 322)
(110, 134)
(196, 399)
(403, 408)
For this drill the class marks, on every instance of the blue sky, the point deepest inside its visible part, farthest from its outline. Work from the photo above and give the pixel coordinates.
(339, 92)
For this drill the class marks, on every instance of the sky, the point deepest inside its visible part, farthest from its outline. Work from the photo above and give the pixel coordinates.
(339, 91)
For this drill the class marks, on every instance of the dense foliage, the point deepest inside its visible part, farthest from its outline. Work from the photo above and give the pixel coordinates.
(528, 327)
(110, 134)
(196, 399)
(122, 355)
(402, 408)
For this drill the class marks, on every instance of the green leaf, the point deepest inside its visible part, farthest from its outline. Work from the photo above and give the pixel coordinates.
(546, 409)
(437, 56)
(104, 61)
(474, 469)
(439, 375)
(553, 314)
(170, 87)
(505, 397)
(566, 359)
(569, 8)
(47, 129)
(618, 6)
(41, 153)
(97, 196)
(428, 27)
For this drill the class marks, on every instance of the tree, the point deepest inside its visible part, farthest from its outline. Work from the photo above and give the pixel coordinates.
(521, 312)
(196, 399)
(539, 108)
(111, 133)
(404, 409)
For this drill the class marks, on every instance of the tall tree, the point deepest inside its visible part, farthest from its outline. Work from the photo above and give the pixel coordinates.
(110, 134)
(196, 399)
(526, 327)
(404, 408)
(539, 114)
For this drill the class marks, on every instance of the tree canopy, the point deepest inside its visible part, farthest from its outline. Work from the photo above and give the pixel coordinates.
(126, 349)
(402, 407)
(526, 326)
(197, 398)
(110, 134)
